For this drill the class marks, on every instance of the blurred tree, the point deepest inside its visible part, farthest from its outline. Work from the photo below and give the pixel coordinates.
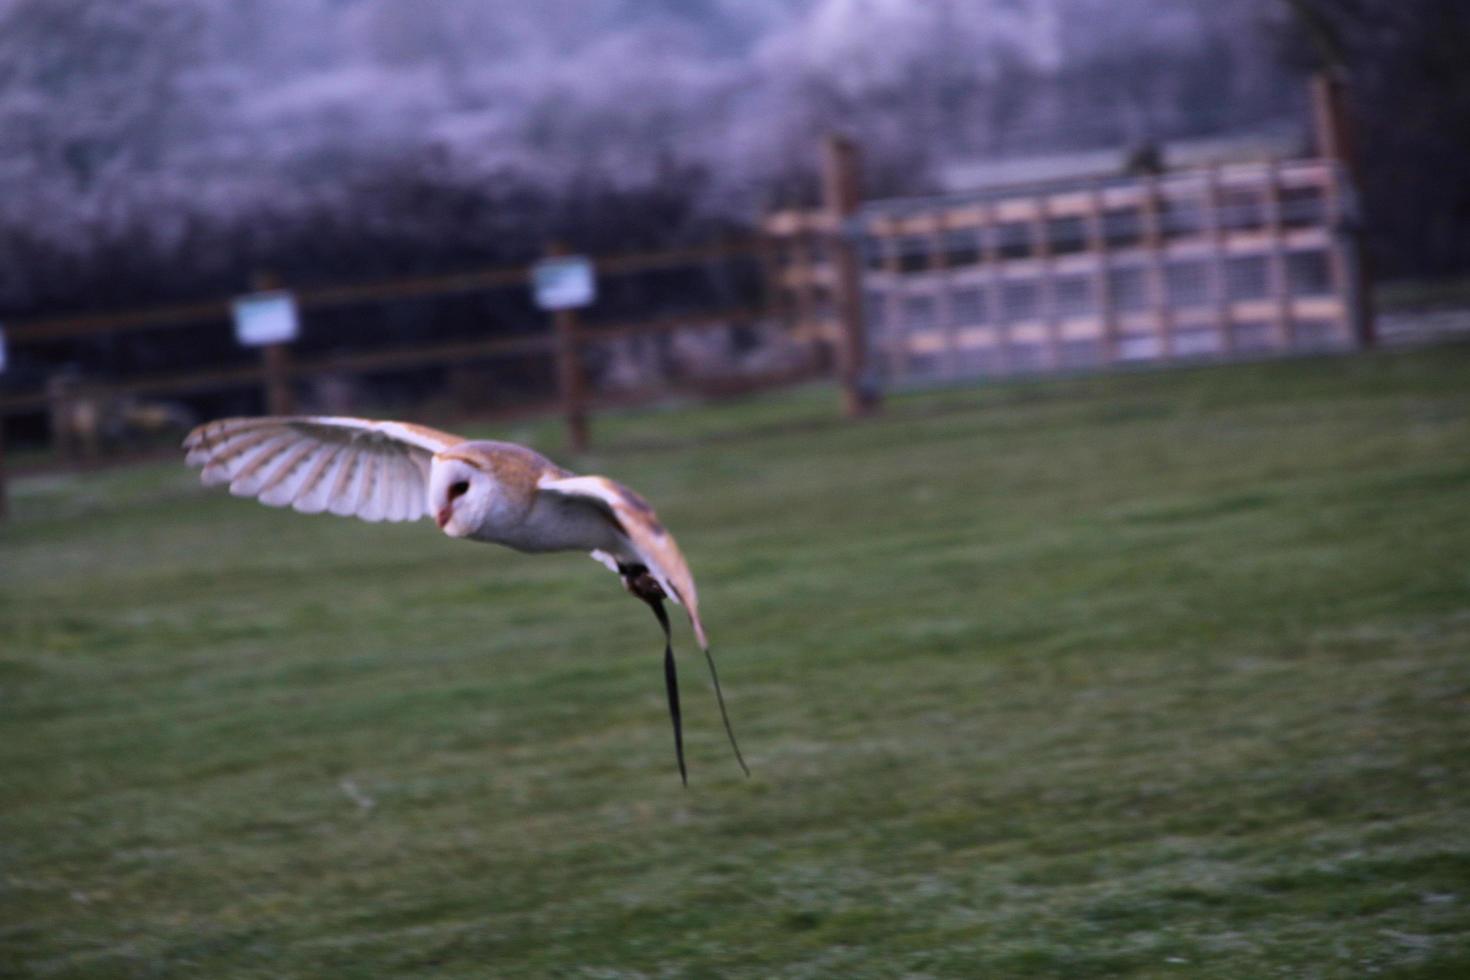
(155, 148)
(91, 88)
(1408, 84)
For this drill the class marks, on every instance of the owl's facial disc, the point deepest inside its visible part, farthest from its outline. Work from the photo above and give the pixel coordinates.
(456, 497)
(454, 491)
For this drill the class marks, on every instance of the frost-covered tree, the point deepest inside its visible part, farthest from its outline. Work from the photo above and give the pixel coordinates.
(91, 90)
(137, 128)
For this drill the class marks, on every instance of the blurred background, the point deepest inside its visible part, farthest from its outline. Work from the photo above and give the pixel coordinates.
(398, 167)
(1064, 406)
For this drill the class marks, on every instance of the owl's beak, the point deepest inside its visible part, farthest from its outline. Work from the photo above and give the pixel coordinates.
(442, 518)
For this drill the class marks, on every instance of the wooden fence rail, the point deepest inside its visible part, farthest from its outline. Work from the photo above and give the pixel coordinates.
(572, 353)
(215, 315)
(26, 331)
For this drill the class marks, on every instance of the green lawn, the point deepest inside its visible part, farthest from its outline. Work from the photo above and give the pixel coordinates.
(1150, 675)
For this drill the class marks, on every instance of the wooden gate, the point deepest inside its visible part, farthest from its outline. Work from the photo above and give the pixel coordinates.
(1229, 261)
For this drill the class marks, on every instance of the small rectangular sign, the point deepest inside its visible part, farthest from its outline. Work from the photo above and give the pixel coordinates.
(564, 283)
(266, 318)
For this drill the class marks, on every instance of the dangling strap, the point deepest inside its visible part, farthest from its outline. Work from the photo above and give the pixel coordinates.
(671, 684)
(720, 696)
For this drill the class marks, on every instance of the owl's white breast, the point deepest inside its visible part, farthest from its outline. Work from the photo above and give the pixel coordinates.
(555, 523)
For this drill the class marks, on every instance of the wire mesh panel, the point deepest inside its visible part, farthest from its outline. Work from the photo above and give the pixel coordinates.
(1239, 260)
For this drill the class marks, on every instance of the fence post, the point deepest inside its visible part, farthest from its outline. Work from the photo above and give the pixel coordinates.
(1046, 283)
(60, 408)
(1219, 282)
(275, 359)
(1334, 138)
(890, 347)
(1278, 277)
(1155, 238)
(571, 383)
(841, 195)
(995, 314)
(1102, 284)
(943, 299)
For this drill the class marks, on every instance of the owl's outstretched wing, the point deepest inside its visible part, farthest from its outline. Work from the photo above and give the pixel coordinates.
(377, 471)
(649, 539)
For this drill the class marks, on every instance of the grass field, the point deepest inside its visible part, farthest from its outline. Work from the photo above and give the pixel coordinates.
(1146, 675)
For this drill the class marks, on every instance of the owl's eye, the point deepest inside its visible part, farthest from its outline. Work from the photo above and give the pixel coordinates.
(458, 489)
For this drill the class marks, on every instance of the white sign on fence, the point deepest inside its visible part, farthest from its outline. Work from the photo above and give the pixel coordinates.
(563, 283)
(266, 318)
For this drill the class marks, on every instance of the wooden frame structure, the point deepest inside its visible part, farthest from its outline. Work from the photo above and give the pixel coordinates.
(1229, 261)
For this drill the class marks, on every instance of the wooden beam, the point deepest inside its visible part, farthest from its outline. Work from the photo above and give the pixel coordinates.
(1278, 282)
(1219, 282)
(1046, 291)
(1153, 244)
(670, 323)
(1352, 272)
(894, 328)
(943, 305)
(571, 380)
(841, 197)
(994, 286)
(347, 294)
(275, 359)
(1102, 285)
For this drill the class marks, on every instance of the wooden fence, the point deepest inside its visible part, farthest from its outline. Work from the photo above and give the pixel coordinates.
(1227, 261)
(1230, 261)
(586, 361)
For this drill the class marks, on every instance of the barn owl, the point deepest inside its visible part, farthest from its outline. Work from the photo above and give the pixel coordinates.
(480, 490)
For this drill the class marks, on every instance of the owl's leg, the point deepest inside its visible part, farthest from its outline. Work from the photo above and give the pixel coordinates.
(638, 582)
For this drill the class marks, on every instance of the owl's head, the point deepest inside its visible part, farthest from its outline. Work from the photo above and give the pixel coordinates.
(460, 495)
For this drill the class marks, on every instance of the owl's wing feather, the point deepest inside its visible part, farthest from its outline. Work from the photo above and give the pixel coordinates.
(648, 538)
(373, 470)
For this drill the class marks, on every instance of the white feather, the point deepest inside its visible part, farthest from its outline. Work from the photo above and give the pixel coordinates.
(411, 500)
(317, 487)
(373, 469)
(286, 476)
(396, 505)
(347, 485)
(370, 500)
(249, 471)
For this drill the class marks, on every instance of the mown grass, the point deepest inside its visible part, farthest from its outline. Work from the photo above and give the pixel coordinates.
(1146, 675)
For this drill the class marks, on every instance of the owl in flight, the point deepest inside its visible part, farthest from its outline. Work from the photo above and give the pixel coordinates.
(497, 492)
